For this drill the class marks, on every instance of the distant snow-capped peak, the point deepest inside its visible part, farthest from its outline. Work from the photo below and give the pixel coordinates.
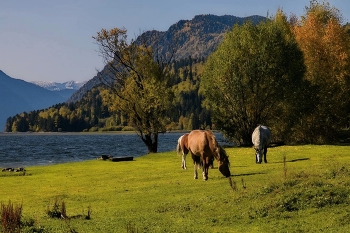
(54, 86)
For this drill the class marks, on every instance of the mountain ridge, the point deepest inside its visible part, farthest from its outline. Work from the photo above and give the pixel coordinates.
(56, 86)
(65, 89)
(198, 37)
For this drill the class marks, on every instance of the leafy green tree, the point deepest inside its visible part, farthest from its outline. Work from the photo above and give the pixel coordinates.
(139, 81)
(251, 78)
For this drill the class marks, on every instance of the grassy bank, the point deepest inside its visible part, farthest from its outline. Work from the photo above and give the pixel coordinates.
(301, 189)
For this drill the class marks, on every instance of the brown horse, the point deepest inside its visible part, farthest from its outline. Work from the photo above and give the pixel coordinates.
(182, 144)
(182, 147)
(203, 147)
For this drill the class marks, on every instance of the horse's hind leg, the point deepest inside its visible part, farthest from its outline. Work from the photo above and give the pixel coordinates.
(205, 168)
(265, 152)
(195, 170)
(195, 162)
(183, 165)
(205, 172)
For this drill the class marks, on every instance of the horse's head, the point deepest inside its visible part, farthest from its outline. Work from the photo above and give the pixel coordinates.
(259, 154)
(224, 163)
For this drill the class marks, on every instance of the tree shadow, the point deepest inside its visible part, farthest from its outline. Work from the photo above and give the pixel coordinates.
(293, 160)
(296, 160)
(249, 174)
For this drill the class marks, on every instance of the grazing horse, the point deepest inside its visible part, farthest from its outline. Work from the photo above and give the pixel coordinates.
(261, 139)
(203, 147)
(181, 147)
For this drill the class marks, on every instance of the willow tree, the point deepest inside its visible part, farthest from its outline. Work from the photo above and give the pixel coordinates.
(253, 77)
(138, 81)
(325, 44)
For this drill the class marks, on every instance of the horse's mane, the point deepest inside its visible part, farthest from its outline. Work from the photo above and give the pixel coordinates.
(223, 154)
(219, 149)
(212, 138)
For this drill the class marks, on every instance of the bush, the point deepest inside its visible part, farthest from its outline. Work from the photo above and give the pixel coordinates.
(11, 218)
(93, 129)
(128, 128)
(55, 211)
(112, 128)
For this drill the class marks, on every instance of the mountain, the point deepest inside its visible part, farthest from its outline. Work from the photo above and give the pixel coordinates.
(65, 89)
(197, 38)
(17, 96)
(54, 86)
(77, 95)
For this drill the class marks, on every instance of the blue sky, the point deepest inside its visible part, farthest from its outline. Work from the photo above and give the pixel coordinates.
(46, 40)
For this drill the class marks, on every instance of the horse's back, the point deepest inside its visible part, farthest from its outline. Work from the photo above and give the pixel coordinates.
(195, 141)
(202, 141)
(261, 136)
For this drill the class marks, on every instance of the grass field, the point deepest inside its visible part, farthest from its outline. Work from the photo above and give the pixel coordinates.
(300, 189)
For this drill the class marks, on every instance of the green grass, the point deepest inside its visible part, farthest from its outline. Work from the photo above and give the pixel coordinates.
(308, 193)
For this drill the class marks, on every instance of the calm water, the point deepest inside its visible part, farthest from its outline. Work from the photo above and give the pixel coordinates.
(28, 149)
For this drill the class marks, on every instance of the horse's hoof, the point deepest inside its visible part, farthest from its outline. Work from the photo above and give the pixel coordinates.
(195, 178)
(205, 177)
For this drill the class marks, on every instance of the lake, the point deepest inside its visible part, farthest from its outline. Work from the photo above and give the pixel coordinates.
(31, 149)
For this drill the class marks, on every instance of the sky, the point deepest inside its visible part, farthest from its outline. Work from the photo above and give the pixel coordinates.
(51, 40)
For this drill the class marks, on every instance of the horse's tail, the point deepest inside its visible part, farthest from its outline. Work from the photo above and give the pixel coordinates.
(178, 149)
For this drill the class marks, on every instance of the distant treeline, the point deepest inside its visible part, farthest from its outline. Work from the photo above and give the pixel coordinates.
(92, 114)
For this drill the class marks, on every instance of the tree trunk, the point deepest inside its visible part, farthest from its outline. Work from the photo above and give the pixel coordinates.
(151, 143)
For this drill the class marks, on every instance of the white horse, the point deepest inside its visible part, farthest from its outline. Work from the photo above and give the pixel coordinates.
(261, 139)
(182, 147)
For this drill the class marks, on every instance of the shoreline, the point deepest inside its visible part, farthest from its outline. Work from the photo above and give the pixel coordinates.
(82, 133)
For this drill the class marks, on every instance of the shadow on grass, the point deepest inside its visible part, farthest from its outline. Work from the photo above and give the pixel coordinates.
(296, 160)
(293, 160)
(250, 174)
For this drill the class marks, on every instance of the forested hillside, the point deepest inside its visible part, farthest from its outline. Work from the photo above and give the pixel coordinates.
(196, 38)
(92, 114)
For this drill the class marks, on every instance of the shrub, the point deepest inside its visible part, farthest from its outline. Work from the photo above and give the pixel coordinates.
(128, 128)
(112, 128)
(55, 211)
(11, 218)
(93, 129)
